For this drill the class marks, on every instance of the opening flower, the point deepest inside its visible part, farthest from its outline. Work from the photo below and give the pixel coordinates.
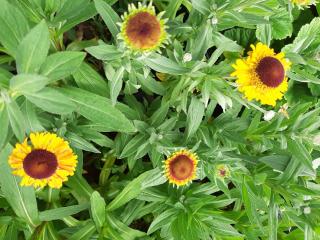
(181, 167)
(222, 171)
(262, 75)
(142, 30)
(44, 160)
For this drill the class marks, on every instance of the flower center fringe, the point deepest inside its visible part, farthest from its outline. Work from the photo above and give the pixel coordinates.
(270, 72)
(40, 164)
(143, 30)
(181, 167)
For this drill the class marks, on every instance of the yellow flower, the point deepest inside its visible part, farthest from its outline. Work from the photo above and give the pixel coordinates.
(181, 167)
(262, 75)
(142, 30)
(44, 160)
(303, 3)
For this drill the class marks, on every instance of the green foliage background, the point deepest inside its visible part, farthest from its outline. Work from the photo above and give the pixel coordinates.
(62, 69)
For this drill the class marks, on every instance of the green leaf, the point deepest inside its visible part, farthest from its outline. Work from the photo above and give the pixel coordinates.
(151, 84)
(12, 232)
(80, 143)
(51, 5)
(31, 9)
(164, 65)
(80, 188)
(61, 64)
(104, 52)
(28, 83)
(109, 16)
(96, 137)
(62, 212)
(161, 220)
(87, 78)
(134, 188)
(5, 220)
(31, 118)
(99, 109)
(249, 201)
(116, 84)
(51, 100)
(264, 33)
(22, 199)
(156, 177)
(13, 25)
(278, 162)
(3, 230)
(172, 8)
(159, 115)
(33, 49)
(131, 191)
(299, 74)
(300, 153)
(98, 209)
(202, 42)
(307, 40)
(123, 232)
(6, 59)
(244, 37)
(45, 231)
(85, 232)
(4, 123)
(226, 43)
(291, 170)
(16, 120)
(203, 6)
(281, 25)
(273, 219)
(195, 115)
(5, 77)
(132, 146)
(72, 13)
(224, 229)
(234, 18)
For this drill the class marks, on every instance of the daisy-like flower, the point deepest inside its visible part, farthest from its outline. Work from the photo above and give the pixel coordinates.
(181, 167)
(262, 75)
(44, 160)
(142, 30)
(303, 3)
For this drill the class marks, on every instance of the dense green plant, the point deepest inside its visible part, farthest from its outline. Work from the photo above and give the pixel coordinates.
(63, 69)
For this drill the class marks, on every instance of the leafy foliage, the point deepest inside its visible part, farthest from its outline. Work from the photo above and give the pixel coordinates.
(64, 70)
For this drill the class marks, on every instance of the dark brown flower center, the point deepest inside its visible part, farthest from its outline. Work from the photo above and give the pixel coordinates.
(143, 30)
(181, 167)
(222, 172)
(270, 71)
(40, 164)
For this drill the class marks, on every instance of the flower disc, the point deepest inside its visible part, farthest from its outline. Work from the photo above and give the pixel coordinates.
(40, 164)
(180, 167)
(47, 160)
(142, 30)
(262, 75)
(270, 71)
(222, 171)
